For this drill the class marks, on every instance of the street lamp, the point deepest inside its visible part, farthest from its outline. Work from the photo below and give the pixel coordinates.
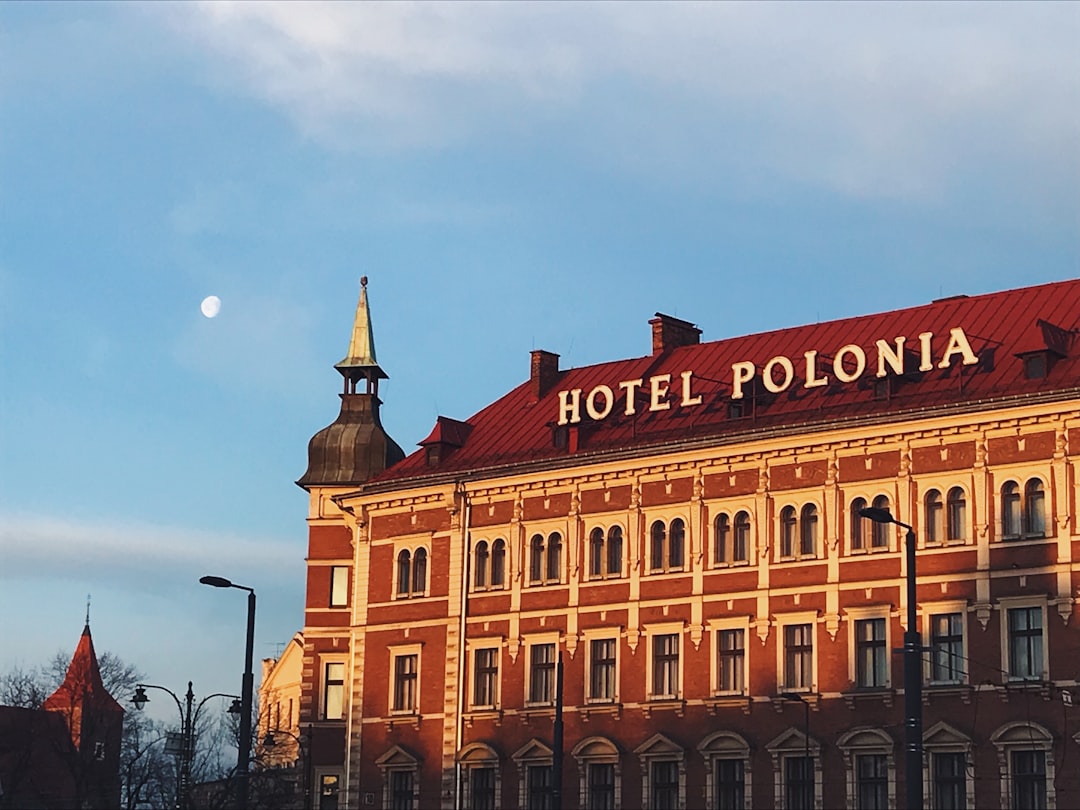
(912, 668)
(188, 719)
(808, 773)
(243, 759)
(269, 741)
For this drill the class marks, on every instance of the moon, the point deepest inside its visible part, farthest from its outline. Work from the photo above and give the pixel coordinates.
(210, 306)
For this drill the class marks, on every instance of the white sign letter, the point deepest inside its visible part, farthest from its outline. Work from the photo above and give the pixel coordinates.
(838, 363)
(767, 374)
(926, 363)
(590, 402)
(958, 344)
(570, 407)
(895, 359)
(687, 397)
(658, 390)
(630, 387)
(812, 379)
(740, 373)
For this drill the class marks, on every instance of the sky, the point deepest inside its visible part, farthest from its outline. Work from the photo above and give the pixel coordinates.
(510, 177)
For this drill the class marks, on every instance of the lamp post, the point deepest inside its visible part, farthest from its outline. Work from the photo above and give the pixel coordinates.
(808, 780)
(243, 759)
(269, 741)
(912, 668)
(187, 731)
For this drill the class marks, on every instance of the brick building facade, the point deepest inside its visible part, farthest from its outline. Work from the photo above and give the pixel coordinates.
(682, 530)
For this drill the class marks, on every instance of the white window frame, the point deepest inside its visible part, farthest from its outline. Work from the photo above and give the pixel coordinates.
(538, 640)
(778, 529)
(870, 526)
(1004, 605)
(726, 745)
(400, 651)
(782, 622)
(605, 573)
(473, 646)
(475, 756)
(601, 634)
(731, 509)
(652, 632)
(793, 744)
(339, 586)
(324, 663)
(1021, 476)
(667, 516)
(412, 547)
(941, 738)
(660, 748)
(595, 750)
(928, 610)
(866, 741)
(489, 586)
(714, 627)
(397, 760)
(1024, 736)
(545, 530)
(858, 614)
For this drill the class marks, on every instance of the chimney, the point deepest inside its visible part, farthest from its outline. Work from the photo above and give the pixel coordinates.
(543, 372)
(671, 333)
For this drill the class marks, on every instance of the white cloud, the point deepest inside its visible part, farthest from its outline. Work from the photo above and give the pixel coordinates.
(869, 99)
(149, 557)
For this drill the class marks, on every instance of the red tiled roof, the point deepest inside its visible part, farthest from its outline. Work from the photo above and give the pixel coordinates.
(517, 429)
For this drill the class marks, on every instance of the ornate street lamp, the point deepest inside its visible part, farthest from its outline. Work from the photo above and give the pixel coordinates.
(269, 741)
(913, 650)
(243, 759)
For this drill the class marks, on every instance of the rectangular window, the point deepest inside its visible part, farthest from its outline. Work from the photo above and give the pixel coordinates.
(482, 789)
(729, 780)
(798, 656)
(339, 586)
(538, 787)
(871, 656)
(401, 790)
(664, 785)
(602, 669)
(601, 786)
(666, 666)
(542, 674)
(334, 691)
(329, 785)
(731, 663)
(872, 776)
(948, 776)
(485, 676)
(798, 783)
(406, 668)
(1025, 643)
(1028, 780)
(947, 648)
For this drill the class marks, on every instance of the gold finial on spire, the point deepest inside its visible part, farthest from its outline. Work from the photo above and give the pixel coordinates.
(88, 610)
(360, 362)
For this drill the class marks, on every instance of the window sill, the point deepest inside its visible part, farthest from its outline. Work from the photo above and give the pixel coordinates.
(483, 713)
(600, 708)
(728, 565)
(728, 701)
(1023, 685)
(868, 694)
(408, 719)
(813, 699)
(664, 704)
(535, 712)
(947, 690)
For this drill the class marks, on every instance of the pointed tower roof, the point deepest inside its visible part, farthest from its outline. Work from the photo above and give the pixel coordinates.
(361, 354)
(82, 693)
(355, 446)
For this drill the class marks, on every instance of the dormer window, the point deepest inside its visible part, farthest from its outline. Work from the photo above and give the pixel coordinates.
(1036, 366)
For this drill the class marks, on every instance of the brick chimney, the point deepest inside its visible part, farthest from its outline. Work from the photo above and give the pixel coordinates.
(543, 372)
(671, 333)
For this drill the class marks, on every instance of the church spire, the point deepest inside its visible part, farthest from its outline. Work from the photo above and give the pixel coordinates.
(360, 363)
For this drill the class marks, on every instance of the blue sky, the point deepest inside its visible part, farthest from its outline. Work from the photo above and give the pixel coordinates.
(509, 177)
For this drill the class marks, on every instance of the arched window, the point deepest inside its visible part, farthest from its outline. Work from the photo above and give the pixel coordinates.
(676, 544)
(419, 583)
(1034, 514)
(1010, 510)
(480, 577)
(554, 557)
(788, 527)
(956, 514)
(404, 572)
(614, 551)
(536, 558)
(658, 534)
(934, 524)
(808, 531)
(740, 551)
(722, 539)
(596, 552)
(858, 528)
(498, 564)
(879, 532)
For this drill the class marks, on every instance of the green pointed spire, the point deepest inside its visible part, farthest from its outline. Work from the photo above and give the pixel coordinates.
(360, 363)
